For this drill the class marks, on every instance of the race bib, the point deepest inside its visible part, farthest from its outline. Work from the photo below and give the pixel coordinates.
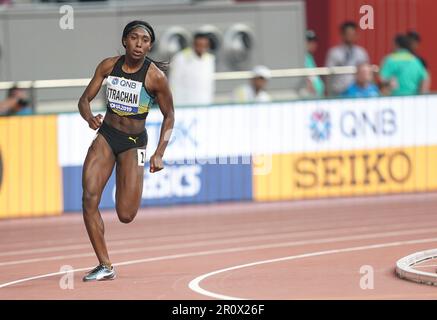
(123, 94)
(141, 155)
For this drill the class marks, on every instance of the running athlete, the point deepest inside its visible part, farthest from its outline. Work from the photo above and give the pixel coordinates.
(134, 83)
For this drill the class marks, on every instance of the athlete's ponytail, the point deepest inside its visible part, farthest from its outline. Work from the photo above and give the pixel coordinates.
(162, 65)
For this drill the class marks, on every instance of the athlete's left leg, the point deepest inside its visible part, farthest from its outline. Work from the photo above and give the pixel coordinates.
(129, 181)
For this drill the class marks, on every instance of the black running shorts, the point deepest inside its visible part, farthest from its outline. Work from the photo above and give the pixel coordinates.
(120, 141)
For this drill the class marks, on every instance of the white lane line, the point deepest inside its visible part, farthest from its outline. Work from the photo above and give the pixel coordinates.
(168, 257)
(231, 241)
(12, 249)
(254, 228)
(188, 255)
(212, 234)
(216, 233)
(7, 246)
(195, 283)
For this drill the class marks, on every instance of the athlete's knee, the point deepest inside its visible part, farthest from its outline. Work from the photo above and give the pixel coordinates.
(126, 215)
(90, 200)
(126, 219)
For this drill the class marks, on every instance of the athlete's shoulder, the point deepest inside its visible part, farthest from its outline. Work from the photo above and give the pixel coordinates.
(107, 64)
(156, 80)
(156, 73)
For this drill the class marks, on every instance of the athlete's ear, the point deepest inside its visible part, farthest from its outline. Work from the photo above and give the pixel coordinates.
(124, 43)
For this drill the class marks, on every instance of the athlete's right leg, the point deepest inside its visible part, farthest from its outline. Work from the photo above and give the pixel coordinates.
(97, 169)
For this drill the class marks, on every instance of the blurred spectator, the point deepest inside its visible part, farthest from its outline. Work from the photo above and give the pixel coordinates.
(364, 86)
(402, 71)
(16, 103)
(314, 84)
(192, 73)
(345, 54)
(255, 90)
(414, 42)
(384, 89)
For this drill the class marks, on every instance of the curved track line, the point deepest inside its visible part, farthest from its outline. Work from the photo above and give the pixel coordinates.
(195, 283)
(193, 254)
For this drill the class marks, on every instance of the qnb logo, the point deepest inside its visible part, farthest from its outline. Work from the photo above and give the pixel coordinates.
(320, 125)
(355, 124)
(127, 83)
(115, 81)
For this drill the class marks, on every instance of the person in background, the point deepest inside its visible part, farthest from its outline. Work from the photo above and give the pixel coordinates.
(404, 72)
(414, 41)
(363, 87)
(16, 103)
(384, 89)
(254, 91)
(191, 74)
(314, 84)
(345, 54)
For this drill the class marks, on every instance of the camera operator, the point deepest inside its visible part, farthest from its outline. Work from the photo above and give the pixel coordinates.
(16, 103)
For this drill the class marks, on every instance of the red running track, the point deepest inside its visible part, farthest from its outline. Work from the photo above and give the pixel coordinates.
(311, 249)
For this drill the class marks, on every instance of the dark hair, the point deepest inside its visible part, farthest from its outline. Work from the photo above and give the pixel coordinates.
(11, 90)
(402, 41)
(162, 65)
(138, 23)
(413, 35)
(200, 34)
(310, 35)
(348, 24)
(21, 102)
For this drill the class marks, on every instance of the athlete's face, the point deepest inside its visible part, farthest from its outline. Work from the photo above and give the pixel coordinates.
(138, 43)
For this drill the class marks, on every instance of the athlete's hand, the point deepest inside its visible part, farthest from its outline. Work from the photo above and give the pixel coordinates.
(156, 163)
(95, 122)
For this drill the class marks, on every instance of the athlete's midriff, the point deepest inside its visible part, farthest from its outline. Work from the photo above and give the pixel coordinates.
(124, 124)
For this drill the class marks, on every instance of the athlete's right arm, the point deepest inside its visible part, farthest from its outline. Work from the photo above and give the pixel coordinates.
(102, 71)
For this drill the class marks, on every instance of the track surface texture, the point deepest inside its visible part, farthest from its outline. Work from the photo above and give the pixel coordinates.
(312, 249)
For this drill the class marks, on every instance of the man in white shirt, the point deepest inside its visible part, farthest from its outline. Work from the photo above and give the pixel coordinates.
(255, 90)
(345, 54)
(191, 74)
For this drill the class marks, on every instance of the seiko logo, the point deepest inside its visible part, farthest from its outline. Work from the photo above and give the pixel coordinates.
(353, 169)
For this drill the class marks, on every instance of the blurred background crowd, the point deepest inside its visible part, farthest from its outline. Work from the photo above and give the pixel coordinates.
(197, 62)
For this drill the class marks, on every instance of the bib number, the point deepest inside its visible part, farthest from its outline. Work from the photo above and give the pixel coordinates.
(141, 155)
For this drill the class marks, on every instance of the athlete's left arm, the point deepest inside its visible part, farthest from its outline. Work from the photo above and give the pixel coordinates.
(159, 86)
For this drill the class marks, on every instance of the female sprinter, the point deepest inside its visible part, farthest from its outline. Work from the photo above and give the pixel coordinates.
(134, 82)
